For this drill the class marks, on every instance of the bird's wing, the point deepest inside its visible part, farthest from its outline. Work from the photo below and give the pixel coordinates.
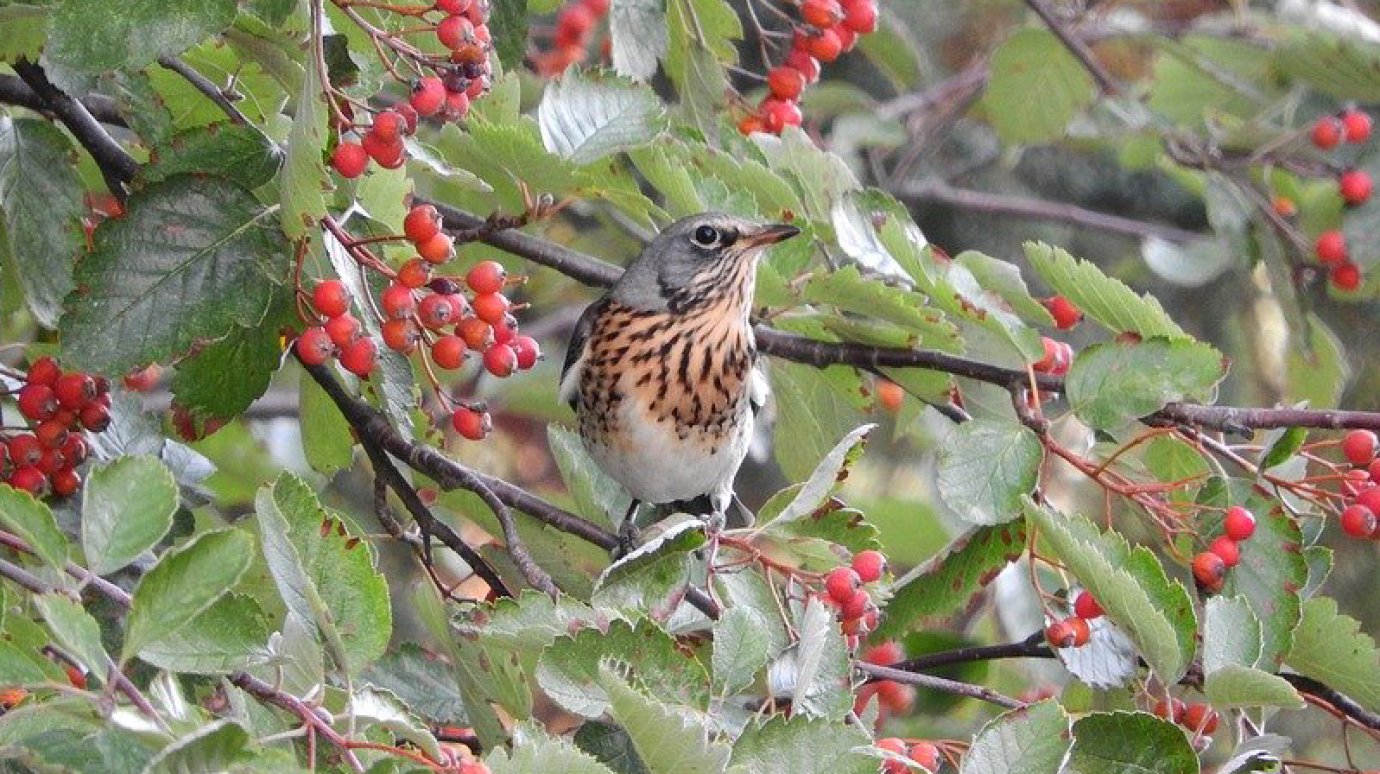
(575, 354)
(759, 389)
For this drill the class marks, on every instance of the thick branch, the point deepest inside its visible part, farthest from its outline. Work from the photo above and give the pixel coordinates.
(117, 166)
(14, 91)
(1345, 704)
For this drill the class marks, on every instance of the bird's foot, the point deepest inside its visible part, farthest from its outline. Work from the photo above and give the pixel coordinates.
(628, 538)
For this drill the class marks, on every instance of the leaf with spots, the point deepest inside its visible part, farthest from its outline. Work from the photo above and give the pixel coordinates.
(1103, 299)
(568, 671)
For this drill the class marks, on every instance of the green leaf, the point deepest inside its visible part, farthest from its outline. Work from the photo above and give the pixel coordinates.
(653, 579)
(185, 582)
(1036, 87)
(669, 739)
(611, 745)
(1331, 648)
(827, 477)
(534, 751)
(803, 746)
(18, 667)
(479, 713)
(74, 630)
(815, 671)
(190, 260)
(986, 466)
(1102, 298)
(240, 153)
(224, 378)
(326, 435)
(848, 291)
(1319, 371)
(91, 37)
(41, 202)
(304, 178)
(127, 506)
(1231, 648)
(26, 30)
(1030, 740)
(1129, 743)
(700, 35)
(742, 646)
(1004, 279)
(1270, 575)
(1281, 445)
(1114, 382)
(508, 19)
(815, 408)
(217, 746)
(328, 580)
(1344, 67)
(1129, 583)
(946, 582)
(373, 707)
(31, 520)
(1198, 79)
(229, 635)
(585, 118)
(1242, 686)
(637, 31)
(532, 621)
(420, 680)
(568, 670)
(598, 498)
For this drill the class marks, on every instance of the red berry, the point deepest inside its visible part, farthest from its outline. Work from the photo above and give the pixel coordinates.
(869, 565)
(1355, 186)
(573, 25)
(800, 59)
(824, 46)
(315, 346)
(437, 249)
(778, 114)
(1327, 132)
(349, 159)
(891, 745)
(1210, 571)
(25, 450)
(95, 417)
(1284, 206)
(409, 116)
(1227, 549)
(451, 7)
(414, 274)
(926, 755)
(471, 423)
(841, 584)
(29, 479)
(821, 13)
(1199, 718)
(1239, 523)
(455, 31)
(1356, 125)
(435, 311)
(388, 126)
(528, 351)
(359, 357)
(1358, 521)
(491, 307)
(457, 105)
(596, 7)
(476, 333)
(500, 360)
(1085, 606)
(397, 302)
(448, 352)
(343, 330)
(1345, 276)
(428, 95)
(478, 11)
(890, 395)
(400, 335)
(75, 390)
(1369, 498)
(847, 38)
(1173, 710)
(1057, 357)
(1356, 481)
(1062, 633)
(884, 653)
(43, 371)
(1359, 446)
(486, 277)
(785, 82)
(1065, 314)
(51, 434)
(143, 379)
(388, 153)
(331, 298)
(75, 450)
(422, 223)
(751, 124)
(860, 16)
(37, 402)
(65, 482)
(1331, 247)
(856, 606)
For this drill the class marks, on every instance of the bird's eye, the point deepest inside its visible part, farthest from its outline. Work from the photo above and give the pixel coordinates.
(706, 236)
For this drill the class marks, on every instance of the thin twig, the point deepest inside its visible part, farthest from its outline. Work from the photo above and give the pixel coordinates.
(1077, 47)
(202, 84)
(943, 684)
(315, 719)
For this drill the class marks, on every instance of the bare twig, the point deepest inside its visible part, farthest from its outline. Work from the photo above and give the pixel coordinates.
(1077, 47)
(202, 84)
(117, 166)
(943, 684)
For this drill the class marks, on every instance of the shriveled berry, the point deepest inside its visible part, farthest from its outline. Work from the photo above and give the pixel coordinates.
(841, 584)
(1326, 133)
(315, 346)
(397, 302)
(471, 423)
(444, 285)
(1227, 549)
(1359, 446)
(448, 352)
(43, 371)
(1085, 606)
(37, 402)
(422, 223)
(1065, 314)
(785, 82)
(74, 390)
(331, 298)
(1239, 523)
(491, 307)
(869, 565)
(1356, 125)
(1355, 187)
(1358, 521)
(500, 360)
(1331, 248)
(528, 351)
(1345, 276)
(343, 330)
(409, 116)
(428, 95)
(1209, 571)
(359, 357)
(486, 277)
(437, 249)
(400, 335)
(1200, 718)
(349, 159)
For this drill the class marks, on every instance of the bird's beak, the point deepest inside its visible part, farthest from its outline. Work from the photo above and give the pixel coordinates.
(769, 235)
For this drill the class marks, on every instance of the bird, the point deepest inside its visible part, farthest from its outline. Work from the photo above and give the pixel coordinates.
(661, 370)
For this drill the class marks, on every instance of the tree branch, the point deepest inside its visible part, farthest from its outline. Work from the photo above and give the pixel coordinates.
(314, 718)
(117, 166)
(940, 684)
(1077, 47)
(14, 91)
(202, 84)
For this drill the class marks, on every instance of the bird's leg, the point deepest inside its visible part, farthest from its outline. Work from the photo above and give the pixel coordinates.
(627, 531)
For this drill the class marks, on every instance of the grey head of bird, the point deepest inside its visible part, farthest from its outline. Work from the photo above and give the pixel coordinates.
(705, 258)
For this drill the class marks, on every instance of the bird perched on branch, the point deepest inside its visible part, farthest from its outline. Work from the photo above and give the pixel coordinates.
(661, 369)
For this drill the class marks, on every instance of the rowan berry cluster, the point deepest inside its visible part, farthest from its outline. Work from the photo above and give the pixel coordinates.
(444, 88)
(1058, 355)
(844, 588)
(57, 406)
(923, 754)
(1353, 185)
(570, 43)
(1197, 718)
(440, 318)
(830, 28)
(1075, 631)
(1361, 485)
(893, 698)
(1224, 552)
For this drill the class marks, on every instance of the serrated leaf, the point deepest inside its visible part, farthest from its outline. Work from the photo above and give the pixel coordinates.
(1114, 382)
(986, 466)
(947, 581)
(598, 497)
(700, 41)
(802, 746)
(1004, 279)
(814, 409)
(1344, 67)
(1331, 648)
(132, 34)
(479, 713)
(637, 29)
(1242, 686)
(33, 521)
(224, 378)
(231, 634)
(41, 203)
(374, 707)
(532, 621)
(26, 30)
(216, 746)
(534, 751)
(1270, 575)
(669, 739)
(585, 118)
(1129, 743)
(828, 475)
(236, 152)
(1129, 583)
(127, 506)
(854, 219)
(848, 291)
(1103, 299)
(568, 670)
(653, 579)
(1036, 87)
(185, 582)
(1231, 634)
(420, 680)
(303, 179)
(741, 648)
(190, 260)
(611, 745)
(75, 631)
(18, 667)
(817, 666)
(1030, 740)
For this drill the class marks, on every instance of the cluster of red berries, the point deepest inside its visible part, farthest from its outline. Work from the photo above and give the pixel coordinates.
(57, 406)
(1197, 718)
(459, 77)
(1354, 185)
(1362, 483)
(831, 28)
(922, 754)
(1075, 631)
(1224, 552)
(574, 28)
(844, 588)
(893, 698)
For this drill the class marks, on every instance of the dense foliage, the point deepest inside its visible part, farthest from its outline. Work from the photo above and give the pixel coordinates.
(287, 484)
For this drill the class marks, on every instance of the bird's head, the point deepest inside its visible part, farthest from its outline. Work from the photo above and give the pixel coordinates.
(700, 259)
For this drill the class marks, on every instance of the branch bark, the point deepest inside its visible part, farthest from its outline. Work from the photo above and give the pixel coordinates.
(117, 166)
